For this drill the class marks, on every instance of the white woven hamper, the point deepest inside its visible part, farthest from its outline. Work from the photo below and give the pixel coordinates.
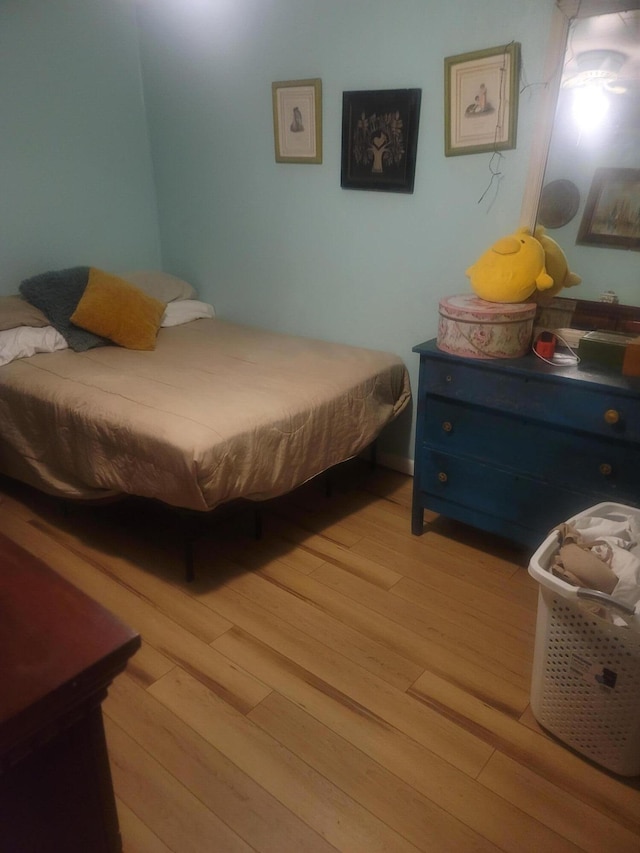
(585, 687)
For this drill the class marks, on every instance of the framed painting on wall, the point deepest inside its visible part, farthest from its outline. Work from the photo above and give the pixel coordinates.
(481, 100)
(380, 139)
(611, 215)
(297, 120)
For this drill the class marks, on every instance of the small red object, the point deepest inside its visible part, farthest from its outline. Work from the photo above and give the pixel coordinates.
(545, 345)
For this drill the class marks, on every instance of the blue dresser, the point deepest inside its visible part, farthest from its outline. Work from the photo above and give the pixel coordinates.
(516, 446)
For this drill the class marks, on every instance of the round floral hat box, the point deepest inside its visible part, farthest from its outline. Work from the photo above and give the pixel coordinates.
(474, 328)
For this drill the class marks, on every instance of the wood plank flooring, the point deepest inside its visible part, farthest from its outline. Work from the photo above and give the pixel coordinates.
(338, 684)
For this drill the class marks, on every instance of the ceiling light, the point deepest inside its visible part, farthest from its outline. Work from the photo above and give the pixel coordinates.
(597, 67)
(590, 106)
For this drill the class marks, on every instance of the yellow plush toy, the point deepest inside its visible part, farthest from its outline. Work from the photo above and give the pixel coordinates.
(556, 265)
(511, 270)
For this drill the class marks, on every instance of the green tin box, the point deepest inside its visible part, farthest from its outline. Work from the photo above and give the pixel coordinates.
(604, 348)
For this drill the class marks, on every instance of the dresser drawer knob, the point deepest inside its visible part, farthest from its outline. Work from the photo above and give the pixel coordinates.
(605, 469)
(442, 477)
(447, 426)
(612, 416)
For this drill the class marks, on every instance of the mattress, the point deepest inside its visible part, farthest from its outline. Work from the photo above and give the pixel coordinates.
(217, 412)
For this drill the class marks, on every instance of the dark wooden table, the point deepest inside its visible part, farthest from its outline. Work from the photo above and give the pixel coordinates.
(59, 651)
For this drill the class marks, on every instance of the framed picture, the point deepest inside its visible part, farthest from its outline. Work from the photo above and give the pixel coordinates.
(297, 121)
(380, 139)
(612, 211)
(481, 100)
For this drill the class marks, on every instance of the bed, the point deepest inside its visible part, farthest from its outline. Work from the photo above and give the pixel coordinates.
(213, 412)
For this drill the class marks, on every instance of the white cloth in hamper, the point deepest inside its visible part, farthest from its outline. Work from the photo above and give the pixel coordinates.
(614, 540)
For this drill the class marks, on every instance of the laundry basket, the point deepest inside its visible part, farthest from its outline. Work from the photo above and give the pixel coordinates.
(585, 686)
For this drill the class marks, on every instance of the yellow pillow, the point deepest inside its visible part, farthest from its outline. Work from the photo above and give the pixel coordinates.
(119, 311)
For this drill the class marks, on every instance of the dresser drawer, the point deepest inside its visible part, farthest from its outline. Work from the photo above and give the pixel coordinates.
(571, 404)
(514, 446)
(596, 465)
(497, 493)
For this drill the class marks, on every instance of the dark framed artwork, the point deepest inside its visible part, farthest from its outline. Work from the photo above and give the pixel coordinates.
(481, 100)
(380, 139)
(611, 215)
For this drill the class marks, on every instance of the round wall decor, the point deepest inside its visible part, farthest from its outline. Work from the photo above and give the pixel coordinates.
(559, 202)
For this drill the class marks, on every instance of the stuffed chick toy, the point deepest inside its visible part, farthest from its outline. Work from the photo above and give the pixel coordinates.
(511, 270)
(556, 265)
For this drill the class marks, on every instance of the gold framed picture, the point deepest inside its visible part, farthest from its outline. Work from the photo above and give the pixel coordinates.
(297, 120)
(481, 100)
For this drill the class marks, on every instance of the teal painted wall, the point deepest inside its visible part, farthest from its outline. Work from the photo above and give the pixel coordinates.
(76, 181)
(86, 176)
(283, 245)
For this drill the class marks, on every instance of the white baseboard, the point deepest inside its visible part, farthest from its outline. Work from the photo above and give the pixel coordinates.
(396, 463)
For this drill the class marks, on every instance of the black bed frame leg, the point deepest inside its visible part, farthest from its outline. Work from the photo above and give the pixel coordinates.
(257, 523)
(373, 458)
(189, 570)
(328, 484)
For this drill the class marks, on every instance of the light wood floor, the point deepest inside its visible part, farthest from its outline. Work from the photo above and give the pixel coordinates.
(338, 685)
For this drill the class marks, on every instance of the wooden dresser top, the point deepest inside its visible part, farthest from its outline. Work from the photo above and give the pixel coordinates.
(58, 647)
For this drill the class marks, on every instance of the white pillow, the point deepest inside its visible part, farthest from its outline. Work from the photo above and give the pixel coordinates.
(161, 285)
(25, 341)
(186, 310)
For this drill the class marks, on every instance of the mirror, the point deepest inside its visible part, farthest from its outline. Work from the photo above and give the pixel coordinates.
(584, 179)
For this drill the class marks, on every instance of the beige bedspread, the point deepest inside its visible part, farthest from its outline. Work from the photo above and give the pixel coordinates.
(216, 412)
